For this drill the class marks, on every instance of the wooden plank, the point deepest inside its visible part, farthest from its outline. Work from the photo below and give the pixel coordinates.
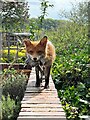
(32, 75)
(41, 105)
(42, 109)
(41, 118)
(39, 89)
(40, 102)
(41, 94)
(41, 99)
(42, 113)
(32, 84)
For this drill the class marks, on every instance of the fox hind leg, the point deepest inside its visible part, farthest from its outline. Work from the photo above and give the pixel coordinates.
(47, 75)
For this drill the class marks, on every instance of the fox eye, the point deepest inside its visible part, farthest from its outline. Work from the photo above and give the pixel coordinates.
(39, 52)
(31, 52)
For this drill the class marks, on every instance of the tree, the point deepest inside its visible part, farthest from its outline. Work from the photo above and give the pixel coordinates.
(14, 16)
(38, 24)
(44, 6)
(78, 13)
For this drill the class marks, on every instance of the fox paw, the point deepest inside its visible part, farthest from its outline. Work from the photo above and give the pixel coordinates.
(46, 86)
(37, 85)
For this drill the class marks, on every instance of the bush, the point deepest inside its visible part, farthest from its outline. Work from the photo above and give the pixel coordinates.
(14, 85)
(70, 70)
(71, 99)
(9, 109)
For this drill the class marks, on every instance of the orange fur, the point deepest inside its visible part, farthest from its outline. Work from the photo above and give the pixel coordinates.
(43, 50)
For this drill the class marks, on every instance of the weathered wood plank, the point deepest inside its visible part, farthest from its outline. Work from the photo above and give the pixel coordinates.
(39, 91)
(31, 83)
(41, 99)
(42, 109)
(41, 118)
(41, 88)
(39, 103)
(42, 113)
(41, 94)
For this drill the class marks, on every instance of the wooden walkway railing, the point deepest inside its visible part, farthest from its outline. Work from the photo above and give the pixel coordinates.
(40, 103)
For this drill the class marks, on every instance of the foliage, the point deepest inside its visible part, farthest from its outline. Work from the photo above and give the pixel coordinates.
(13, 90)
(70, 98)
(14, 84)
(14, 16)
(21, 55)
(37, 24)
(78, 13)
(47, 24)
(71, 71)
(9, 108)
(44, 6)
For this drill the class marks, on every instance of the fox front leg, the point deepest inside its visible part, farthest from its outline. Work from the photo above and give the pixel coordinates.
(47, 75)
(37, 76)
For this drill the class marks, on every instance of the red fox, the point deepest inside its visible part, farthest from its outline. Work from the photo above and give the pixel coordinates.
(44, 52)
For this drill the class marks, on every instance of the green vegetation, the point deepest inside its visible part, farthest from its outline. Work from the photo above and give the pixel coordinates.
(14, 16)
(9, 108)
(71, 69)
(21, 55)
(13, 87)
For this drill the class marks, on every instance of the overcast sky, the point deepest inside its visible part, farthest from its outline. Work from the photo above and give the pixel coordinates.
(59, 5)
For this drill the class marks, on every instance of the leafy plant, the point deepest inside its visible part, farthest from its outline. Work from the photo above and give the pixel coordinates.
(14, 84)
(71, 71)
(9, 108)
(21, 55)
(14, 16)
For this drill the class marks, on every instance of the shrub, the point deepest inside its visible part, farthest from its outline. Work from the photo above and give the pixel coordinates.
(9, 108)
(14, 84)
(70, 70)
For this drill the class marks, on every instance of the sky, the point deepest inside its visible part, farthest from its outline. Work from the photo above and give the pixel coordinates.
(59, 5)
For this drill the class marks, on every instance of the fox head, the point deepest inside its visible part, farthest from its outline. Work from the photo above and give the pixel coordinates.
(36, 49)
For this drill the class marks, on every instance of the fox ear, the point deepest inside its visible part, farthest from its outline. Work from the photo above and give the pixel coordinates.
(43, 41)
(27, 43)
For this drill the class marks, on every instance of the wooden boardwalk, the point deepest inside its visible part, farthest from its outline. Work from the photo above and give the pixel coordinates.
(40, 103)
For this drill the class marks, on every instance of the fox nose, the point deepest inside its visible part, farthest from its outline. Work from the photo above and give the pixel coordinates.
(34, 59)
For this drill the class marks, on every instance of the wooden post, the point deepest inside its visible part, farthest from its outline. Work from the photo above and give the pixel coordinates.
(8, 43)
